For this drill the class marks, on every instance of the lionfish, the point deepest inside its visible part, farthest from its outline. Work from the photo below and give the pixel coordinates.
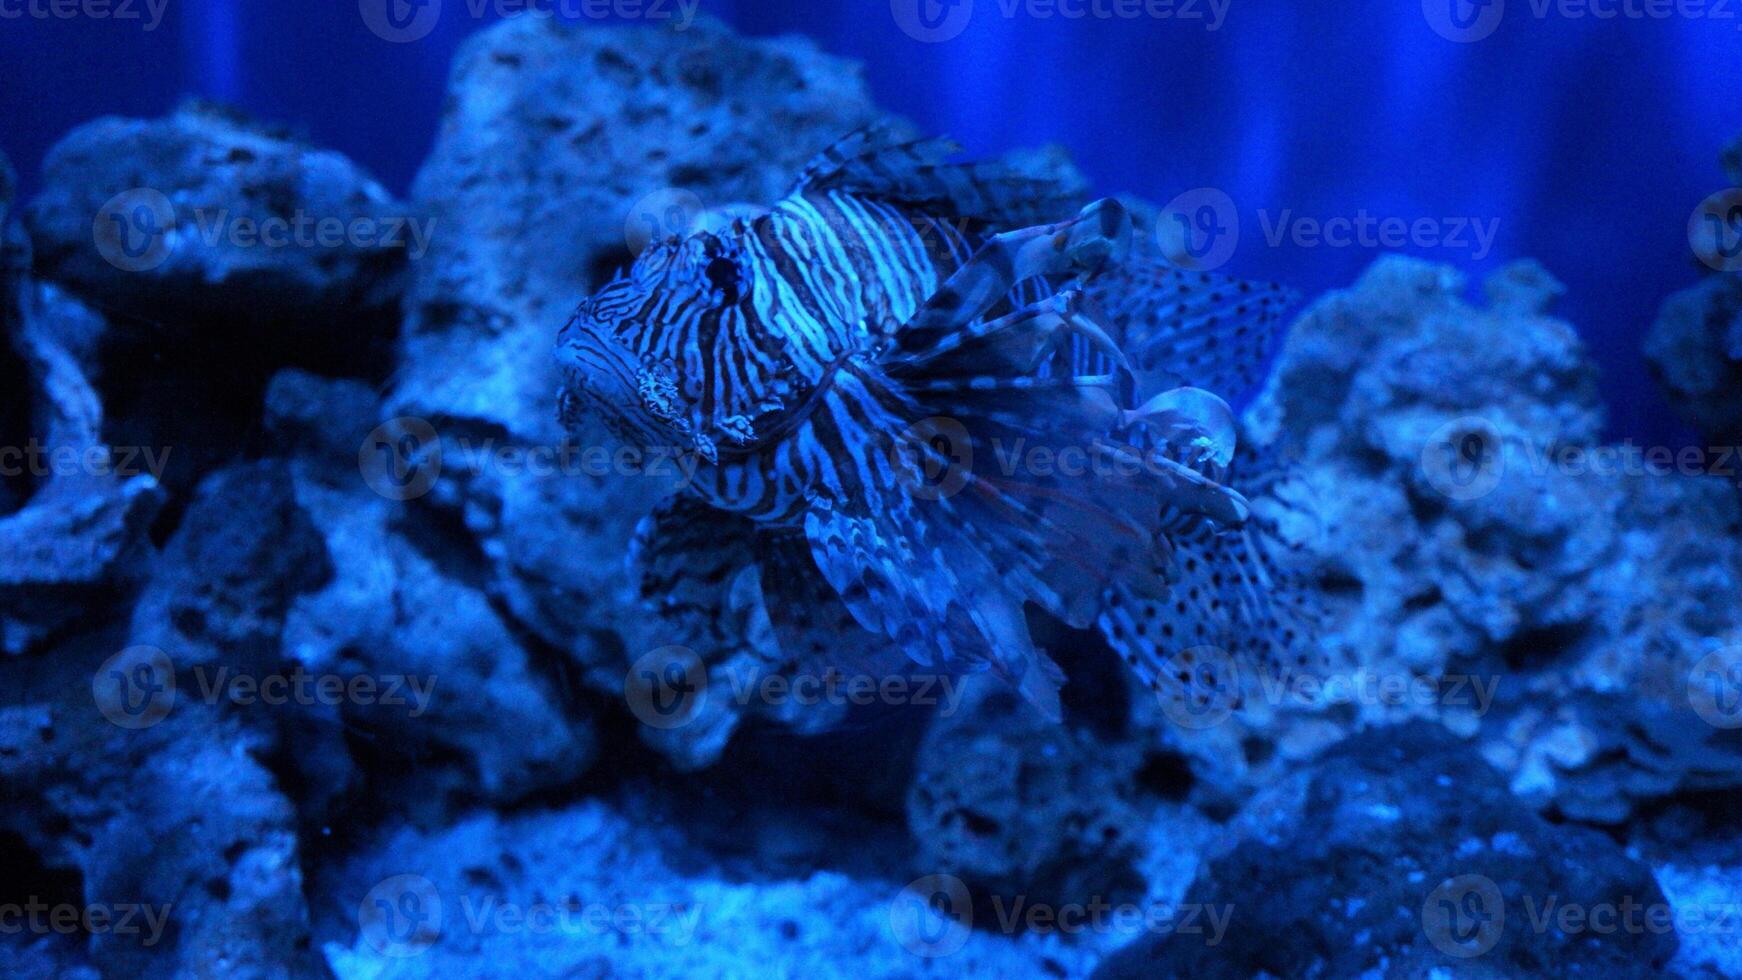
(926, 395)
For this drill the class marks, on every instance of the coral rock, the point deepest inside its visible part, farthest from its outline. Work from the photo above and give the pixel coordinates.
(206, 213)
(1015, 804)
(1695, 349)
(501, 720)
(1366, 863)
(171, 814)
(1472, 538)
(74, 514)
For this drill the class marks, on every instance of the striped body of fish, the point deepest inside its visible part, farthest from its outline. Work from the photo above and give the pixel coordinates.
(869, 371)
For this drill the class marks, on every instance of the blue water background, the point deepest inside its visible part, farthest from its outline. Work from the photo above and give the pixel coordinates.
(1589, 139)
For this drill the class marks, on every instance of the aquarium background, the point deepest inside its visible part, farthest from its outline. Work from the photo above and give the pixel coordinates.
(1583, 137)
(336, 640)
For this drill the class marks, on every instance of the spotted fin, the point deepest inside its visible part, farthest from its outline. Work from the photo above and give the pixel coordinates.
(1181, 327)
(916, 174)
(1232, 619)
(1063, 533)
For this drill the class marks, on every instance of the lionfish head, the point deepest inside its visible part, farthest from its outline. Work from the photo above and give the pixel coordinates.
(605, 349)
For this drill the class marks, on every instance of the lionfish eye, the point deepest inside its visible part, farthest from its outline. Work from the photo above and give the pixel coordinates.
(723, 275)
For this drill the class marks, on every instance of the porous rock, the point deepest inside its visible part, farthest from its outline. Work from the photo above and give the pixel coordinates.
(99, 223)
(1695, 350)
(170, 812)
(1015, 804)
(500, 719)
(220, 250)
(74, 515)
(693, 916)
(1364, 864)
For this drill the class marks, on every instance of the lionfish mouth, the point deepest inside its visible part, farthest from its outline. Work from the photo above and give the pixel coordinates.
(602, 384)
